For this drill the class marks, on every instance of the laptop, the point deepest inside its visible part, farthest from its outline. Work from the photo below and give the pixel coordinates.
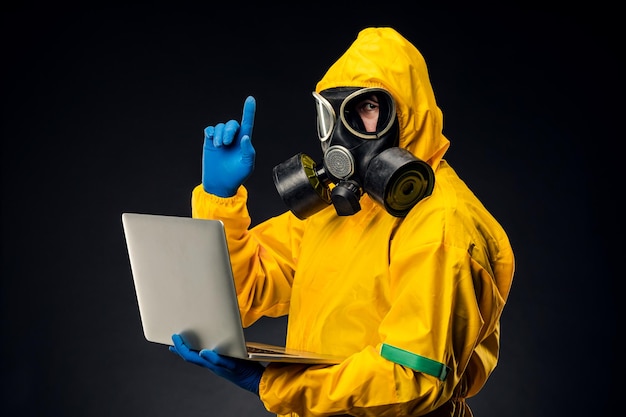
(184, 284)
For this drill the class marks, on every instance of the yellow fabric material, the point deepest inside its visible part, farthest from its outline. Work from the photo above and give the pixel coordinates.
(433, 283)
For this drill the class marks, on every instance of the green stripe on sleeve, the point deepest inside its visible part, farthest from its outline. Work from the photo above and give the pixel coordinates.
(415, 362)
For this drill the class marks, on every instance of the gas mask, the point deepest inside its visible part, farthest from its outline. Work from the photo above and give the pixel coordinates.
(359, 134)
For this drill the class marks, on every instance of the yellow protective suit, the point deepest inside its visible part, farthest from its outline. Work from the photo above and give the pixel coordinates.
(413, 303)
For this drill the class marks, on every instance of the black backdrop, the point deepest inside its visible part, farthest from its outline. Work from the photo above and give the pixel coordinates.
(103, 112)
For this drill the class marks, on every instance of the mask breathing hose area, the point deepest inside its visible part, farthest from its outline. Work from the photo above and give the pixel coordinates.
(394, 179)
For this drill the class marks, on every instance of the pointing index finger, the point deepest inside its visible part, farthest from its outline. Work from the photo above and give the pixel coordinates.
(247, 120)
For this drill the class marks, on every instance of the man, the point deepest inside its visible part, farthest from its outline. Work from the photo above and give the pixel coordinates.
(385, 256)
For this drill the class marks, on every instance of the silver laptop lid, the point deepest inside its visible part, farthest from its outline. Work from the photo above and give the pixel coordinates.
(181, 270)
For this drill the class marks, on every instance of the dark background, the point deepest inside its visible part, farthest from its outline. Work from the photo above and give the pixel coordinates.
(103, 112)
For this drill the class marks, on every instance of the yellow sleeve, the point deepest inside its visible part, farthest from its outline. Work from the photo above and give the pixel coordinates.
(364, 384)
(261, 257)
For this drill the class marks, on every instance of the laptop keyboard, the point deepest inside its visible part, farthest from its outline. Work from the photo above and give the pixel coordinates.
(254, 349)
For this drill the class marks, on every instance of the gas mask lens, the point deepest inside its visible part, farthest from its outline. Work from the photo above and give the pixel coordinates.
(368, 113)
(325, 117)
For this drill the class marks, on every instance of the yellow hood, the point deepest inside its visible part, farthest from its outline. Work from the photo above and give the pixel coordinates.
(381, 57)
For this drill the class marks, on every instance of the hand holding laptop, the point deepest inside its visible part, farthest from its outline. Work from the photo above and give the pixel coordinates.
(245, 374)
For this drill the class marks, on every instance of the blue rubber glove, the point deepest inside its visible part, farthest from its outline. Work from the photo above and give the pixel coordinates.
(228, 155)
(245, 374)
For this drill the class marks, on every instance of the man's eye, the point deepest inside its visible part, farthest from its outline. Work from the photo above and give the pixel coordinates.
(368, 106)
